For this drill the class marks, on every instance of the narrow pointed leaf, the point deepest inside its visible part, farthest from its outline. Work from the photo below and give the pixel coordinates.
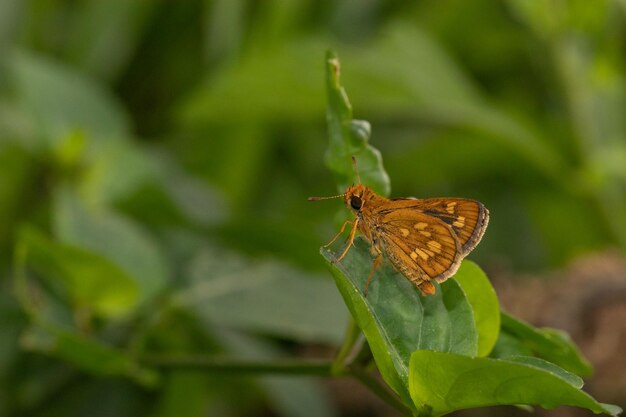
(349, 137)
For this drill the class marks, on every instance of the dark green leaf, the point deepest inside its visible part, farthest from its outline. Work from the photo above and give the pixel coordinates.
(396, 319)
(571, 378)
(88, 280)
(508, 345)
(550, 344)
(87, 354)
(444, 382)
(111, 235)
(268, 297)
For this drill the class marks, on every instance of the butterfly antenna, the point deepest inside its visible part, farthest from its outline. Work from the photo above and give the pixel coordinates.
(325, 198)
(356, 170)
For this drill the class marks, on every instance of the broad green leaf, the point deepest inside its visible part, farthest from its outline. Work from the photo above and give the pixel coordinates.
(60, 100)
(87, 354)
(349, 137)
(485, 304)
(193, 197)
(121, 168)
(396, 319)
(550, 344)
(508, 345)
(444, 382)
(87, 279)
(113, 236)
(268, 297)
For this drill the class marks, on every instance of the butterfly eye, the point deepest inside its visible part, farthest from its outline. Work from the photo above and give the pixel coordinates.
(355, 202)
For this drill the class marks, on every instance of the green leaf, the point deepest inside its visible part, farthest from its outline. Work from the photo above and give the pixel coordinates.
(268, 297)
(508, 345)
(113, 236)
(550, 344)
(87, 279)
(349, 137)
(571, 378)
(444, 382)
(485, 304)
(396, 319)
(60, 100)
(87, 354)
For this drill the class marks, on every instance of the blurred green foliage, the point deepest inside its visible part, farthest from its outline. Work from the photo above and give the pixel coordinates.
(166, 150)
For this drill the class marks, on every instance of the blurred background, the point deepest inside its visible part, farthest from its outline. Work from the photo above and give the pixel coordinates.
(155, 159)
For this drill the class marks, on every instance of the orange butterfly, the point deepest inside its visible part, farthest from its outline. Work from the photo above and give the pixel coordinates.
(424, 239)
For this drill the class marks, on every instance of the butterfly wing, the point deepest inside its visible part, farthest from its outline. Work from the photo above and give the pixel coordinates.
(468, 218)
(420, 246)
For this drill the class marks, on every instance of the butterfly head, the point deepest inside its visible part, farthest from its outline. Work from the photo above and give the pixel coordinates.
(354, 197)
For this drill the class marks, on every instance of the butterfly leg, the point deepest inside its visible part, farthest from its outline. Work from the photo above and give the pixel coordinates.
(376, 264)
(350, 238)
(343, 226)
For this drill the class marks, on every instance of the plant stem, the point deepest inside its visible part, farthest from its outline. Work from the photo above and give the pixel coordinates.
(296, 367)
(374, 385)
(237, 366)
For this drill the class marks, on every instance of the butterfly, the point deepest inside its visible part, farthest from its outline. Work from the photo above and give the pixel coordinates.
(424, 239)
